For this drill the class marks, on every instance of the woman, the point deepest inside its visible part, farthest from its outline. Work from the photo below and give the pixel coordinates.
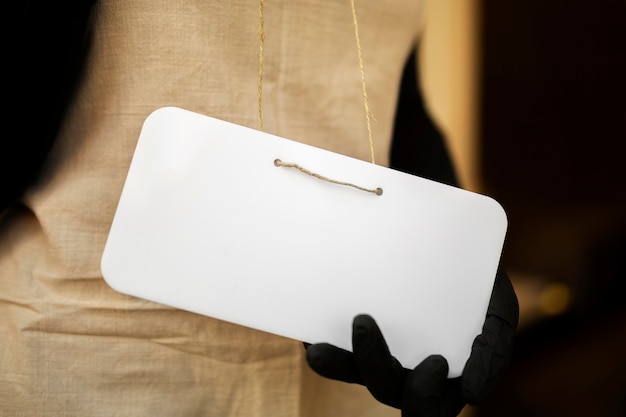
(83, 79)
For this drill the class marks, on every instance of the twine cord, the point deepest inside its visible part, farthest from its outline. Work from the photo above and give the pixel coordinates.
(279, 163)
(260, 81)
(363, 83)
(355, 22)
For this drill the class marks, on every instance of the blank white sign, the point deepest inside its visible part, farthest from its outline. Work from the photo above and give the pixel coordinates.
(209, 224)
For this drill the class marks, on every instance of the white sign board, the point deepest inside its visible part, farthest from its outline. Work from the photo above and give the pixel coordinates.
(208, 223)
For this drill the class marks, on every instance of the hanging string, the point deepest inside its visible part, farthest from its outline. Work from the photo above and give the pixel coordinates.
(279, 163)
(363, 83)
(355, 22)
(260, 81)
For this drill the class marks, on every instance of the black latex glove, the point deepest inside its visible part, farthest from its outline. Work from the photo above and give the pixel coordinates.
(425, 391)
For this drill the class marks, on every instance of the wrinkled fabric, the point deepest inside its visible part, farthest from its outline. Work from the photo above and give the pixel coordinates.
(72, 346)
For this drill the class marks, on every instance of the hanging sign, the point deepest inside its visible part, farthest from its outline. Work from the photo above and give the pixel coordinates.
(262, 231)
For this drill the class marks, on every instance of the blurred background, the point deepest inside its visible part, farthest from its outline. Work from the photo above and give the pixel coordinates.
(532, 97)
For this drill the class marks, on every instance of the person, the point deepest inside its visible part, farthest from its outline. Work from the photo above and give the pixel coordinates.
(82, 78)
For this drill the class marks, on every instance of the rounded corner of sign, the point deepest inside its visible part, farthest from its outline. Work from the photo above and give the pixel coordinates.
(161, 113)
(503, 216)
(156, 113)
(114, 284)
(499, 211)
(105, 268)
(108, 272)
(165, 110)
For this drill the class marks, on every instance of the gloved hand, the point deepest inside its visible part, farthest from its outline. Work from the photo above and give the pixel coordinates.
(425, 391)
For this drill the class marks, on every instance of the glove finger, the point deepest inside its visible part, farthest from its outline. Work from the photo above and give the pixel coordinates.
(492, 349)
(503, 302)
(424, 388)
(489, 360)
(332, 362)
(379, 371)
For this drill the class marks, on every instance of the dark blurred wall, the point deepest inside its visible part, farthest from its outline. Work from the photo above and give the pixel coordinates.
(553, 134)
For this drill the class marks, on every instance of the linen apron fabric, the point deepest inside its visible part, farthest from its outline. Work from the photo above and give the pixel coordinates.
(72, 346)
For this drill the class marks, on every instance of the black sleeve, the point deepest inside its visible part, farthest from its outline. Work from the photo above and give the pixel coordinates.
(43, 57)
(418, 147)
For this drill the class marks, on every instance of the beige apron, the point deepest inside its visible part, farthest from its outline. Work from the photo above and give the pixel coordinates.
(72, 346)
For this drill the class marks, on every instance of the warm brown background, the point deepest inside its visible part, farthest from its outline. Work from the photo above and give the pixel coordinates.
(532, 95)
(553, 123)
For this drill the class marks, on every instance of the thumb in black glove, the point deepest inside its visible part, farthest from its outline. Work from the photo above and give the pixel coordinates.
(425, 391)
